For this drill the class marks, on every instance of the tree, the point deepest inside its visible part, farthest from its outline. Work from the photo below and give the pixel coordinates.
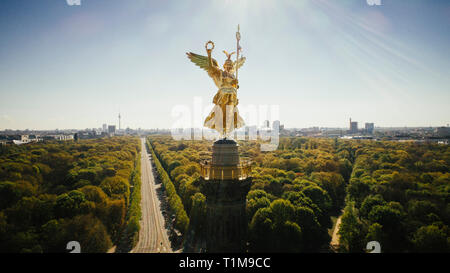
(388, 217)
(370, 202)
(173, 165)
(391, 221)
(314, 235)
(94, 194)
(431, 239)
(31, 211)
(357, 191)
(351, 231)
(289, 237)
(89, 232)
(334, 184)
(53, 236)
(260, 231)
(116, 186)
(273, 229)
(320, 198)
(254, 204)
(11, 192)
(70, 204)
(115, 218)
(198, 213)
(282, 210)
(420, 209)
(375, 233)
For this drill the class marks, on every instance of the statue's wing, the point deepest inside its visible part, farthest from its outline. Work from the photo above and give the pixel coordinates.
(238, 63)
(201, 61)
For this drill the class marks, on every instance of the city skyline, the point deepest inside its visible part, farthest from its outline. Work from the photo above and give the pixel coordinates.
(322, 62)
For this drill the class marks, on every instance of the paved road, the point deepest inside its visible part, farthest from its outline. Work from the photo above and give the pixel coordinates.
(335, 238)
(334, 244)
(153, 235)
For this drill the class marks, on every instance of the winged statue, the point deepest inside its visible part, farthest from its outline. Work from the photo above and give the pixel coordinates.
(224, 117)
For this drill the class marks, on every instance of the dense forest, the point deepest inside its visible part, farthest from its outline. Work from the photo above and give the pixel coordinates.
(394, 193)
(398, 195)
(53, 193)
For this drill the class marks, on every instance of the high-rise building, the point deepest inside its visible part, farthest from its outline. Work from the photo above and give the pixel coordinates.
(369, 127)
(353, 127)
(105, 128)
(276, 124)
(111, 129)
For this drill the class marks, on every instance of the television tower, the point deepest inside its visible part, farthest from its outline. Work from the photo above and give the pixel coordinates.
(119, 121)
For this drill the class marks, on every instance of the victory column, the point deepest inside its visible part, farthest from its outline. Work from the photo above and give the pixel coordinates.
(225, 179)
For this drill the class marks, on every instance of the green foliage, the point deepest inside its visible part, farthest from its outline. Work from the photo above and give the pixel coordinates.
(375, 233)
(358, 191)
(351, 231)
(52, 192)
(89, 231)
(398, 193)
(94, 194)
(70, 204)
(134, 211)
(198, 213)
(431, 239)
(256, 199)
(334, 184)
(273, 229)
(369, 203)
(11, 192)
(404, 185)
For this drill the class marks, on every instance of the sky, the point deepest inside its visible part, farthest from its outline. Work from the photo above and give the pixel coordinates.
(320, 62)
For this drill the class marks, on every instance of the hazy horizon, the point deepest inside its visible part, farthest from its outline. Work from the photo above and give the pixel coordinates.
(321, 61)
(360, 126)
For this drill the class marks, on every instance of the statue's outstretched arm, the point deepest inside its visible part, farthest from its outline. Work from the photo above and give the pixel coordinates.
(213, 68)
(207, 63)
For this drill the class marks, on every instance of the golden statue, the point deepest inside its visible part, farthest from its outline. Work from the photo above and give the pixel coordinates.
(224, 117)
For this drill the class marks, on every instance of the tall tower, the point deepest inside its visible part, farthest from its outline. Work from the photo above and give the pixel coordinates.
(119, 121)
(225, 182)
(353, 127)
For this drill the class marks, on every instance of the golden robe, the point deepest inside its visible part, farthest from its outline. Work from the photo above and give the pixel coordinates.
(225, 102)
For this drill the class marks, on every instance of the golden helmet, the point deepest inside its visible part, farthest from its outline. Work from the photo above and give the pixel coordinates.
(228, 61)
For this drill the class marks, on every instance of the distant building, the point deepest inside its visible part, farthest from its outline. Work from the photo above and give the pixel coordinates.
(353, 127)
(16, 139)
(266, 124)
(112, 129)
(276, 124)
(369, 127)
(105, 128)
(63, 137)
(443, 131)
(59, 137)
